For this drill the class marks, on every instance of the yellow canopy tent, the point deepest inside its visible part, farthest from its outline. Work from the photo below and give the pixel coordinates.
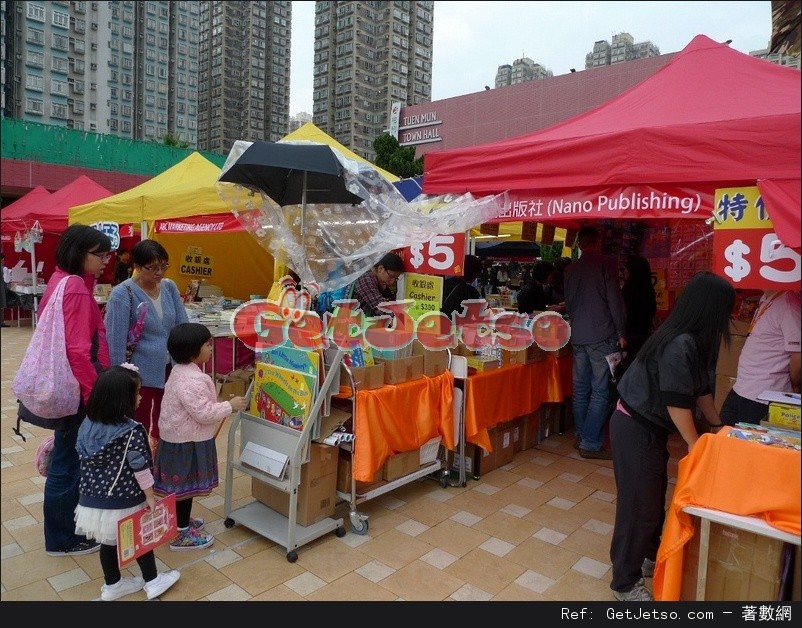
(311, 133)
(187, 190)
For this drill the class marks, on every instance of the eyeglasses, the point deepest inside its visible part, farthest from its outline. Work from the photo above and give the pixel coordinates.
(157, 268)
(393, 275)
(103, 257)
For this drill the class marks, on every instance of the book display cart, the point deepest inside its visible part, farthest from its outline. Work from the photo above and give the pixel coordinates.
(274, 454)
(369, 425)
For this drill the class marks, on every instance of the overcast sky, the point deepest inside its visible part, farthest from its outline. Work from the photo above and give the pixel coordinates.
(471, 39)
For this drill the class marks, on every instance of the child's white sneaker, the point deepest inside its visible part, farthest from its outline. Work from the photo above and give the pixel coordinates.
(161, 583)
(125, 586)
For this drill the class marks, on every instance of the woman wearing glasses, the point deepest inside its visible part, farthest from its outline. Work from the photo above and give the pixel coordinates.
(81, 256)
(148, 306)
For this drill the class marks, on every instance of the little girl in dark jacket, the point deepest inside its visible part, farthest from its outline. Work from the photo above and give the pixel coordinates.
(116, 480)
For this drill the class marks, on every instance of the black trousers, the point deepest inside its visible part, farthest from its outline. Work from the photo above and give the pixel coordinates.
(737, 409)
(640, 463)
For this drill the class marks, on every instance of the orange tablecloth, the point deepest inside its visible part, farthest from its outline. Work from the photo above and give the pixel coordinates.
(401, 417)
(511, 391)
(734, 476)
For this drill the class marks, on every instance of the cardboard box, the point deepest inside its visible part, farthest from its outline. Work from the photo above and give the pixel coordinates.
(365, 377)
(785, 415)
(549, 420)
(467, 460)
(509, 357)
(567, 415)
(402, 370)
(534, 353)
(233, 384)
(503, 444)
(530, 429)
(742, 566)
(434, 362)
(486, 460)
(727, 361)
(316, 491)
(399, 465)
(480, 364)
(344, 475)
(335, 419)
(517, 434)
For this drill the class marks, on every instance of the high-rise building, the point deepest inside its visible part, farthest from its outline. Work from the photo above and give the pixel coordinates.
(125, 68)
(521, 71)
(369, 55)
(623, 48)
(788, 60)
(298, 120)
(244, 77)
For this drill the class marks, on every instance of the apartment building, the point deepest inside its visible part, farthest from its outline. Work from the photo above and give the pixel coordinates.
(245, 72)
(367, 57)
(521, 71)
(125, 68)
(622, 48)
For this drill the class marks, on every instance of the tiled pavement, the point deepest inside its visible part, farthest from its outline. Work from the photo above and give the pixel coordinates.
(536, 529)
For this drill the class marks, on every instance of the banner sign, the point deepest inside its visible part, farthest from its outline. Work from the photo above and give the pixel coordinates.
(746, 249)
(213, 223)
(195, 264)
(442, 255)
(627, 202)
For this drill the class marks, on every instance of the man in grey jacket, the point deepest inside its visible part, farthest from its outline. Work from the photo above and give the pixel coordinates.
(597, 315)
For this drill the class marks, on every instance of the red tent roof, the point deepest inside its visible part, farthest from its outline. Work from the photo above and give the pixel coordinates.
(52, 211)
(711, 115)
(14, 215)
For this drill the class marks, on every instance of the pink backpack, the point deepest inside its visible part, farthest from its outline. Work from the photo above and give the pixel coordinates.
(44, 382)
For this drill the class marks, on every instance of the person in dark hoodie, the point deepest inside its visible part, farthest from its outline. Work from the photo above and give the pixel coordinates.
(116, 480)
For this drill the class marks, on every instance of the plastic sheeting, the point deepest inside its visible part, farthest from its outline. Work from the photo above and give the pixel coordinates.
(333, 244)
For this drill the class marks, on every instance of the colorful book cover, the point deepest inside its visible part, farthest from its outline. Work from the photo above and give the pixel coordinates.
(282, 395)
(143, 531)
(291, 358)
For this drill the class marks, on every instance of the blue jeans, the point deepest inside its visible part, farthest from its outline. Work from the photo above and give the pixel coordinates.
(61, 492)
(592, 394)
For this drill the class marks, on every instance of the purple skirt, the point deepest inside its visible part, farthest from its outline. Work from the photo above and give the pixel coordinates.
(186, 469)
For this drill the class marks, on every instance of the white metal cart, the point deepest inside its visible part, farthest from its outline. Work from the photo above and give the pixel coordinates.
(359, 520)
(295, 445)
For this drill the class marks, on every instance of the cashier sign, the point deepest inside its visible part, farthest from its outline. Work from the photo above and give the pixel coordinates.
(746, 249)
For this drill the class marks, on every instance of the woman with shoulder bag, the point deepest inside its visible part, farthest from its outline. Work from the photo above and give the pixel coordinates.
(151, 305)
(81, 256)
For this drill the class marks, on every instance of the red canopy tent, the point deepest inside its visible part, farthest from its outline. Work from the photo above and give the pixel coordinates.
(711, 118)
(51, 211)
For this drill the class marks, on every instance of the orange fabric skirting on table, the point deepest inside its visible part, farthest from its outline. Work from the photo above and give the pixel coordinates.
(730, 475)
(509, 392)
(401, 417)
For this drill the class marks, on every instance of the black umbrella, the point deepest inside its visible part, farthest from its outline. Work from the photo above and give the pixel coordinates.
(292, 174)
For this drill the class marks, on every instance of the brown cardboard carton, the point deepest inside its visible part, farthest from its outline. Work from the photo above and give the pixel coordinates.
(402, 370)
(316, 491)
(480, 364)
(530, 429)
(316, 498)
(534, 353)
(434, 362)
(467, 460)
(741, 565)
(344, 475)
(509, 357)
(336, 419)
(567, 415)
(486, 460)
(503, 444)
(399, 465)
(365, 377)
(549, 420)
(517, 434)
